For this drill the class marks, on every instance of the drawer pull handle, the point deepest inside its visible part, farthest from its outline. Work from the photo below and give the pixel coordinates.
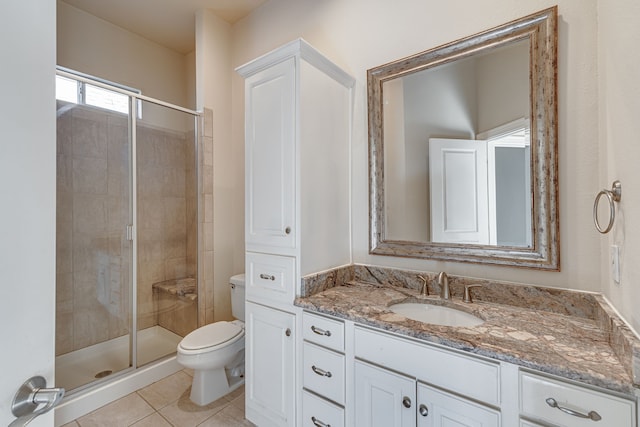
(316, 422)
(592, 415)
(424, 411)
(406, 402)
(321, 331)
(321, 372)
(267, 277)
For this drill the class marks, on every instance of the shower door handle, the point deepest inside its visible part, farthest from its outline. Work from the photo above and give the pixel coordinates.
(30, 396)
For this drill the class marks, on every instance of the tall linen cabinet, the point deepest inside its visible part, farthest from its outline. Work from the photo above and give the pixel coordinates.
(298, 112)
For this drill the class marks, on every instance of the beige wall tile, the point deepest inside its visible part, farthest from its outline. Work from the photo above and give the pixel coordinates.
(207, 151)
(176, 268)
(89, 135)
(89, 213)
(90, 175)
(64, 333)
(207, 179)
(207, 236)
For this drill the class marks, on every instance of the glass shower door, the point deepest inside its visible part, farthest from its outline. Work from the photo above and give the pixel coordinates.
(167, 294)
(93, 271)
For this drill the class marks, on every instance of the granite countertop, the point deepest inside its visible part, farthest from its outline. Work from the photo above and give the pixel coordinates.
(571, 345)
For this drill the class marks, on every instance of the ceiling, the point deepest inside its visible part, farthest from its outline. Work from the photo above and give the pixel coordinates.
(170, 23)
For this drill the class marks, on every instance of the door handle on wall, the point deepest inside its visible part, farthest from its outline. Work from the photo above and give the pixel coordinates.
(30, 396)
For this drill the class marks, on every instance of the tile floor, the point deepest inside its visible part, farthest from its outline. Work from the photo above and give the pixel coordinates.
(166, 403)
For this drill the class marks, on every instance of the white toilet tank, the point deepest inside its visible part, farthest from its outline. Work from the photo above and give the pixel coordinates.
(237, 296)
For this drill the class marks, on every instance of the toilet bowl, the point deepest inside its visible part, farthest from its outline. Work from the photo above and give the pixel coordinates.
(216, 352)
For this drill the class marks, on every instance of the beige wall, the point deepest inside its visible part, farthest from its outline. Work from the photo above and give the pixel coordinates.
(213, 89)
(360, 34)
(619, 150)
(96, 47)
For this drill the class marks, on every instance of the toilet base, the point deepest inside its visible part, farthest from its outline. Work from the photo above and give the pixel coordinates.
(209, 386)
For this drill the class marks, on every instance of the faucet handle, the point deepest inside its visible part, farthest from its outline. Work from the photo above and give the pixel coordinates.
(467, 292)
(425, 288)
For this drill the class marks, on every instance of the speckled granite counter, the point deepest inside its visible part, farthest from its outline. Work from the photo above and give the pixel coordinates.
(571, 334)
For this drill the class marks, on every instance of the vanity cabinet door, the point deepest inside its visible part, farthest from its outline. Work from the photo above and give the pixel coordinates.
(436, 408)
(270, 160)
(270, 366)
(383, 398)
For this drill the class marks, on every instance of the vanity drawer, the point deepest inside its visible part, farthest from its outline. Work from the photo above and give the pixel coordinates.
(323, 331)
(536, 390)
(316, 411)
(469, 376)
(270, 277)
(324, 372)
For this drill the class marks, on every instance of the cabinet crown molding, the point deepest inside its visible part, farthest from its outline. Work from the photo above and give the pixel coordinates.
(300, 49)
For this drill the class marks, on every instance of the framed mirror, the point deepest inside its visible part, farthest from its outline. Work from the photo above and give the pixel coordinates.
(463, 149)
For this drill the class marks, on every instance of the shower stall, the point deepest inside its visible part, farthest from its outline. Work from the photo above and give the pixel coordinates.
(128, 204)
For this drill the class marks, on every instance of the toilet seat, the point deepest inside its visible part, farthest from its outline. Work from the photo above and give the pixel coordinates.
(212, 335)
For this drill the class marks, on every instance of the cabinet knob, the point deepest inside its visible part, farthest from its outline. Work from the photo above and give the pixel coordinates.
(287, 230)
(424, 411)
(406, 402)
(288, 332)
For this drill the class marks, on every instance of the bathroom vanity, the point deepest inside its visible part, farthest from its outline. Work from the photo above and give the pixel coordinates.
(366, 365)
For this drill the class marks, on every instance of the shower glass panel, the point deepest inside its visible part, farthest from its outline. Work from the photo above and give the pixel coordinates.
(93, 283)
(166, 230)
(127, 230)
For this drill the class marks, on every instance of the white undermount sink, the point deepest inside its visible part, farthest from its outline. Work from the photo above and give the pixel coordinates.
(435, 314)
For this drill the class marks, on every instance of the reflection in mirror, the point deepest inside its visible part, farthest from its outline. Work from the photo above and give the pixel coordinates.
(463, 149)
(477, 99)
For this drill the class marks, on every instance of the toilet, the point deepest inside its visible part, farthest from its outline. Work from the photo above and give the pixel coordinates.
(216, 352)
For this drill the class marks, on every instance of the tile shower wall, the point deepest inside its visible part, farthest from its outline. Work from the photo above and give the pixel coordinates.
(92, 252)
(166, 185)
(205, 286)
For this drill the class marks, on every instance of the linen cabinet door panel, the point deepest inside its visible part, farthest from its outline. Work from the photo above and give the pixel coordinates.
(270, 160)
(270, 366)
(383, 398)
(436, 408)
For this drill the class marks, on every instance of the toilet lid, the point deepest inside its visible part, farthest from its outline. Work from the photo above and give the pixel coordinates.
(210, 335)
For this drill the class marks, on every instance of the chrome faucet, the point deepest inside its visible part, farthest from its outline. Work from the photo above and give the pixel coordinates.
(443, 281)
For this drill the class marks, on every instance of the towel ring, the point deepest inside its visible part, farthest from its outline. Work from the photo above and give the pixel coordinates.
(613, 195)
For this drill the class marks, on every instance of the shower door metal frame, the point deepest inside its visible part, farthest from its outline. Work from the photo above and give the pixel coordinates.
(131, 231)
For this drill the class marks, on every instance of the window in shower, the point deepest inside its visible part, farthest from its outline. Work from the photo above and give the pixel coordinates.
(81, 92)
